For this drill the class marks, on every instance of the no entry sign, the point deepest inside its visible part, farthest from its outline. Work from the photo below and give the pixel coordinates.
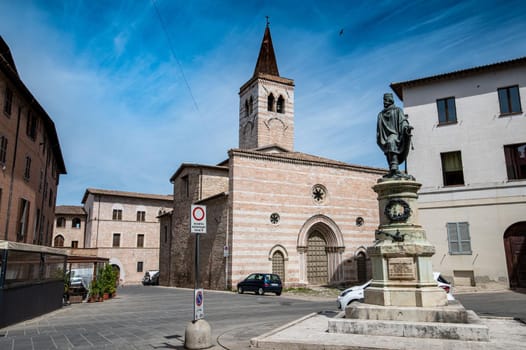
(198, 219)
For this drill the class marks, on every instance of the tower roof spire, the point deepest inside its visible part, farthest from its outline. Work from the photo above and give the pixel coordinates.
(266, 63)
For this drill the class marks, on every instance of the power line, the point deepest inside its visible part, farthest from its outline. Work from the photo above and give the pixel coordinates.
(163, 26)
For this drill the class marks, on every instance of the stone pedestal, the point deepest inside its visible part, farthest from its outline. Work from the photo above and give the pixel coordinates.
(401, 254)
(404, 299)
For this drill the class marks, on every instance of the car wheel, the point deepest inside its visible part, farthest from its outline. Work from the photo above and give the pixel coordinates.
(240, 290)
(278, 293)
(261, 291)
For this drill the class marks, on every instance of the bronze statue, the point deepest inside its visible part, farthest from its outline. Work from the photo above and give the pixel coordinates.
(393, 136)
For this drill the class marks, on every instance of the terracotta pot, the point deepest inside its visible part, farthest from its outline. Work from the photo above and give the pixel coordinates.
(106, 296)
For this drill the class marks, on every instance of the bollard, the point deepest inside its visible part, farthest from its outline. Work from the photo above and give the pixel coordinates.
(198, 335)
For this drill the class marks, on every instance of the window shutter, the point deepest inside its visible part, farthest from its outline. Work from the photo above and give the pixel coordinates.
(465, 240)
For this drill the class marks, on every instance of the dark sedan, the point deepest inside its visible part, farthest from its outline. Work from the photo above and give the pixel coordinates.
(260, 283)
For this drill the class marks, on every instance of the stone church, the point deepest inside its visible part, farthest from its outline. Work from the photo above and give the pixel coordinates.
(270, 208)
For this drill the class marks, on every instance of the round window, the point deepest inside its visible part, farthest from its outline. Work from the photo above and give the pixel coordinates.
(319, 193)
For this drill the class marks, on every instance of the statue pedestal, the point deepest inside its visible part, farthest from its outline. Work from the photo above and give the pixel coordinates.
(404, 299)
(401, 255)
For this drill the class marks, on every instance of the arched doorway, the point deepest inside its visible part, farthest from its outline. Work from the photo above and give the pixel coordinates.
(278, 265)
(58, 241)
(317, 263)
(515, 248)
(320, 247)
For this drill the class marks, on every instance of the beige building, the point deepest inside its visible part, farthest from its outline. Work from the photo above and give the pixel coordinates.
(70, 226)
(470, 155)
(124, 227)
(31, 160)
(270, 208)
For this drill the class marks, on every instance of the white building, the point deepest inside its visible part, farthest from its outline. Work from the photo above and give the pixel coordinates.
(470, 155)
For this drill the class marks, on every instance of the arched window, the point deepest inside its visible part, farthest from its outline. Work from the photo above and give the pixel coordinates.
(75, 223)
(61, 221)
(270, 102)
(247, 112)
(58, 241)
(280, 106)
(250, 105)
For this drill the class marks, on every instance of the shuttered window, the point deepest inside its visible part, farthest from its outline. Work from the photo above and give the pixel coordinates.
(458, 238)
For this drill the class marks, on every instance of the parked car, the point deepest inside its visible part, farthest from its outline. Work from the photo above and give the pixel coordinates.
(356, 293)
(351, 294)
(444, 284)
(151, 277)
(260, 283)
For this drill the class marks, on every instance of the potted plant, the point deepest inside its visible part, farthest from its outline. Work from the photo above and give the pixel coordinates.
(94, 291)
(108, 279)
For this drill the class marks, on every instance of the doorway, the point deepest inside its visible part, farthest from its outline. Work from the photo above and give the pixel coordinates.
(317, 263)
(515, 248)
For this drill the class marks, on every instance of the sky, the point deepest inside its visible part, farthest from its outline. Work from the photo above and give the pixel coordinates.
(135, 88)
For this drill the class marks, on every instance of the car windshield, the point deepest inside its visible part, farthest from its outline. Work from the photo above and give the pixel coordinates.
(441, 279)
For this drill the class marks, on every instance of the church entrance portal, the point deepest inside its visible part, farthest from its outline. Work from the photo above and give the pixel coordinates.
(317, 264)
(515, 248)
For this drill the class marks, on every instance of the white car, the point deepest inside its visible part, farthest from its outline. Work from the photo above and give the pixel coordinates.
(351, 294)
(356, 293)
(444, 284)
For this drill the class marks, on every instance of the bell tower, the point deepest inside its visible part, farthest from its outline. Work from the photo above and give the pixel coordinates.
(266, 104)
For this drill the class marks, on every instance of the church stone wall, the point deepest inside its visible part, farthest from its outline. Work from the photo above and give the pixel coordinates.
(261, 186)
(193, 184)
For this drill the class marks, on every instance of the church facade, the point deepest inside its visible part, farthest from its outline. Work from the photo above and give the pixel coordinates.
(270, 208)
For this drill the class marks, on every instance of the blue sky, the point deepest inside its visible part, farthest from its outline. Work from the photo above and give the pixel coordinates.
(131, 103)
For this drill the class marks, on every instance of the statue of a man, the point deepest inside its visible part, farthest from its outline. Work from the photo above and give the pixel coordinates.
(393, 135)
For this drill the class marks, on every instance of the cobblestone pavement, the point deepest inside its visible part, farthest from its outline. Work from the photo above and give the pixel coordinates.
(156, 318)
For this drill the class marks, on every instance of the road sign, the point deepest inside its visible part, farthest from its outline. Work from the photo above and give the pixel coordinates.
(198, 304)
(198, 219)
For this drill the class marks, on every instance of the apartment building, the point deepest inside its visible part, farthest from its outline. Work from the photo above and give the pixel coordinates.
(470, 155)
(31, 160)
(123, 226)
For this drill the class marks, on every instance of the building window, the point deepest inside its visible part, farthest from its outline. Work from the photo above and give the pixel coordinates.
(452, 168)
(31, 125)
(165, 234)
(117, 214)
(23, 219)
(61, 221)
(447, 112)
(319, 193)
(58, 241)
(74, 244)
(75, 223)
(515, 161)
(186, 186)
(270, 102)
(280, 105)
(27, 170)
(141, 215)
(246, 109)
(140, 240)
(458, 238)
(116, 240)
(250, 105)
(509, 100)
(139, 266)
(3, 150)
(8, 101)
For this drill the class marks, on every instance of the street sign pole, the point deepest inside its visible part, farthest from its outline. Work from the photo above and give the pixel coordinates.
(198, 334)
(196, 263)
